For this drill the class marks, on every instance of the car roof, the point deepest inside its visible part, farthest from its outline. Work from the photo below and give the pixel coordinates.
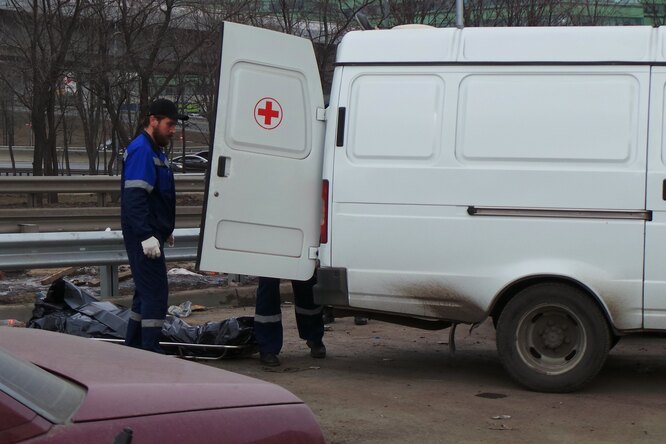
(123, 381)
(190, 155)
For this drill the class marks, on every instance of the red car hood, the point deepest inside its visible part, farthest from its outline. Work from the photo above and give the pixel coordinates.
(122, 381)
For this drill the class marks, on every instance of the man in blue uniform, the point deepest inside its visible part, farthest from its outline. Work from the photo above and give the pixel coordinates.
(148, 213)
(268, 319)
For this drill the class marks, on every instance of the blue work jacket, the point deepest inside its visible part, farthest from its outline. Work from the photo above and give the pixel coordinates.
(148, 205)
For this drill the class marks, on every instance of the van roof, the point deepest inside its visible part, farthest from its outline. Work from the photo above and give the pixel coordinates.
(596, 44)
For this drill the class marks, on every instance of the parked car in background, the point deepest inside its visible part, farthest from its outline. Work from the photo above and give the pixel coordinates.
(60, 388)
(203, 154)
(190, 163)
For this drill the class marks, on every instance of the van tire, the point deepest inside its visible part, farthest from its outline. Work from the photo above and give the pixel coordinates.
(552, 337)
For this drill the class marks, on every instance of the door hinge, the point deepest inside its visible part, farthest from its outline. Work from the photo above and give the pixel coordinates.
(321, 114)
(313, 253)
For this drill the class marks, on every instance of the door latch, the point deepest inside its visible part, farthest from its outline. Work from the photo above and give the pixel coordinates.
(222, 166)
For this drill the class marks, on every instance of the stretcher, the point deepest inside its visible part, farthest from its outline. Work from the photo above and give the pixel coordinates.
(198, 351)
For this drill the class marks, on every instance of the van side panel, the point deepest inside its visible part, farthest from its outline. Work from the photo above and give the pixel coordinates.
(655, 233)
(424, 143)
(545, 119)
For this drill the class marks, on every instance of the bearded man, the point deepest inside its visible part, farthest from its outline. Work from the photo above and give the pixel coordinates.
(148, 215)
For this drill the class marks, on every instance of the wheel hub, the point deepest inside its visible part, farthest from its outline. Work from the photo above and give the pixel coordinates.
(550, 339)
(553, 337)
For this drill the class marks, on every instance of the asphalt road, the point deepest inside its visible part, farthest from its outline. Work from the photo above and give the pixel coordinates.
(383, 383)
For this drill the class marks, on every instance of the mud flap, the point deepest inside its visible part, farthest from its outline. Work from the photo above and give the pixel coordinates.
(331, 287)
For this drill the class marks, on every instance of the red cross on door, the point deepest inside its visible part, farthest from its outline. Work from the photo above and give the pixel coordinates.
(268, 113)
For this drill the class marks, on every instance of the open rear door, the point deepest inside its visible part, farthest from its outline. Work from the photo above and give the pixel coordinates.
(263, 195)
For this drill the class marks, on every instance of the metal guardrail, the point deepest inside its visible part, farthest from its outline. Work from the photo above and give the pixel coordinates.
(16, 172)
(31, 250)
(103, 248)
(24, 153)
(85, 184)
(101, 185)
(32, 220)
(16, 220)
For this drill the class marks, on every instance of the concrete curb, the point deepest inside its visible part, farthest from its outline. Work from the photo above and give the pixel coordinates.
(242, 296)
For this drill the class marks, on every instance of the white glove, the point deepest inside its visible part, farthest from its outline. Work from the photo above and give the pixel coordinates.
(151, 247)
(171, 241)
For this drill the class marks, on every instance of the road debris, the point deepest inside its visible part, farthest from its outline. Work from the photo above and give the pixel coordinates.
(11, 323)
(62, 273)
(488, 395)
(182, 272)
(181, 311)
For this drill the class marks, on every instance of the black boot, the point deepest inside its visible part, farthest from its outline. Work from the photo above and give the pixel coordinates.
(269, 359)
(317, 349)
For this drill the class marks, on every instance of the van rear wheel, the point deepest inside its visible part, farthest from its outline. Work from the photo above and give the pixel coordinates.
(552, 337)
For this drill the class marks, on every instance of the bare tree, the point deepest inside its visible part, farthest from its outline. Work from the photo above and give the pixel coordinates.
(324, 22)
(655, 11)
(157, 42)
(92, 60)
(7, 112)
(438, 13)
(595, 12)
(136, 51)
(40, 41)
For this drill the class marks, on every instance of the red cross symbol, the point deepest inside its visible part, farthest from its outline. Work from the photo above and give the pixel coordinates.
(268, 113)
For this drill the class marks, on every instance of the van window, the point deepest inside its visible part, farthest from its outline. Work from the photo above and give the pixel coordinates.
(383, 107)
(568, 117)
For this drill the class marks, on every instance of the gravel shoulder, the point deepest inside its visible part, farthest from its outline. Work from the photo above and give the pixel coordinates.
(385, 383)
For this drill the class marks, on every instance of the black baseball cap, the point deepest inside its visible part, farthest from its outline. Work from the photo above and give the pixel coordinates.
(166, 108)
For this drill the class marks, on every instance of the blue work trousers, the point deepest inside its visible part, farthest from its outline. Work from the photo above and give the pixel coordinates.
(151, 294)
(268, 316)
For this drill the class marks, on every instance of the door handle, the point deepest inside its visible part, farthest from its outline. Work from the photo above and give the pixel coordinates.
(340, 134)
(663, 190)
(222, 166)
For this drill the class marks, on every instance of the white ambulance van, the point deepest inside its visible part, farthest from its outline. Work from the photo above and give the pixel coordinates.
(455, 175)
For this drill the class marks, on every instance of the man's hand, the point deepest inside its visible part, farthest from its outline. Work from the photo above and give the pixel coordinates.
(171, 241)
(151, 247)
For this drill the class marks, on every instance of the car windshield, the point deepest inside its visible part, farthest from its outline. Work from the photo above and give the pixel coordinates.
(52, 397)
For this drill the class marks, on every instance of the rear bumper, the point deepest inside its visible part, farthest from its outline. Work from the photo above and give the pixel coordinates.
(331, 287)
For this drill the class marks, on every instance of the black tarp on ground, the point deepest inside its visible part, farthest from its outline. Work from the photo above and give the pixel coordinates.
(68, 309)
